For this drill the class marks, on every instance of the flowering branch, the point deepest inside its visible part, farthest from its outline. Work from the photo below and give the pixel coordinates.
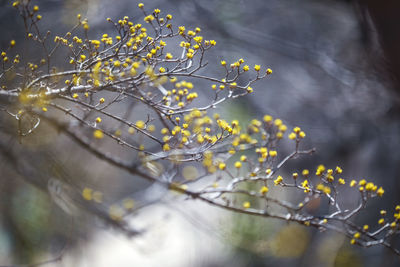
(111, 80)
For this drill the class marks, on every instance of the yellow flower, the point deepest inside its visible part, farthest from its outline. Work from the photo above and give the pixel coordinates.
(305, 185)
(166, 147)
(278, 122)
(222, 166)
(273, 153)
(362, 182)
(257, 67)
(128, 203)
(369, 186)
(98, 134)
(338, 170)
(296, 130)
(267, 118)
(246, 205)
(320, 187)
(140, 124)
(264, 190)
(327, 190)
(133, 71)
(278, 180)
(320, 170)
(116, 213)
(87, 193)
(149, 18)
(380, 191)
(238, 164)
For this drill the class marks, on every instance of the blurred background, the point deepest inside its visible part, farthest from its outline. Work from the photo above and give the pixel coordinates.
(335, 74)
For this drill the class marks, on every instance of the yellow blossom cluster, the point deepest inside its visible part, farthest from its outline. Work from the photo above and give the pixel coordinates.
(297, 134)
(92, 195)
(367, 187)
